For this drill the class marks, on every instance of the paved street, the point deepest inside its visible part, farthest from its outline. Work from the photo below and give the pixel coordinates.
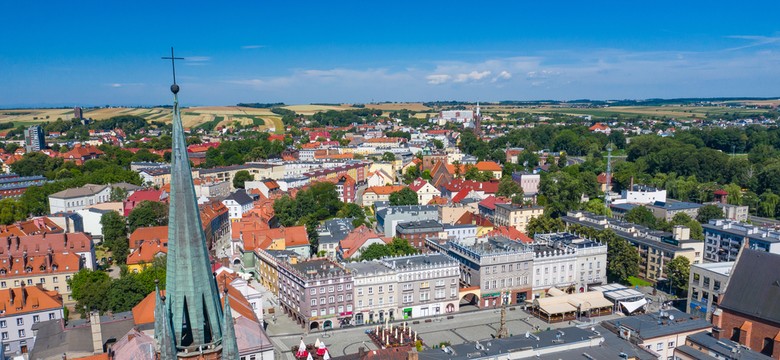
(464, 327)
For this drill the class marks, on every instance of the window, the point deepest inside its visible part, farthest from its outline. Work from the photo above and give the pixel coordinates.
(331, 299)
(36, 319)
(331, 289)
(671, 345)
(2, 284)
(322, 290)
(370, 290)
(322, 301)
(659, 346)
(769, 346)
(19, 321)
(381, 289)
(340, 287)
(349, 286)
(322, 312)
(424, 285)
(5, 335)
(314, 312)
(341, 309)
(390, 299)
(360, 303)
(313, 291)
(341, 298)
(370, 302)
(21, 333)
(3, 324)
(331, 310)
(313, 302)
(390, 288)
(360, 291)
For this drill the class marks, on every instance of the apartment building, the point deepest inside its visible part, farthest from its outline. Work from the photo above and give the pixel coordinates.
(516, 216)
(567, 262)
(375, 292)
(723, 239)
(706, 286)
(427, 284)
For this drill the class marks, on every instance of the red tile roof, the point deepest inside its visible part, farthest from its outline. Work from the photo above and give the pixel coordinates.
(491, 201)
(27, 299)
(417, 184)
(147, 251)
(148, 234)
(385, 190)
(510, 233)
(488, 166)
(357, 238)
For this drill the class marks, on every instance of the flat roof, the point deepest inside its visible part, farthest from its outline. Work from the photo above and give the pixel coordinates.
(649, 326)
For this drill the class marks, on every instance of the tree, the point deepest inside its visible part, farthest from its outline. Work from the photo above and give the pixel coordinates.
(11, 210)
(405, 196)
(597, 207)
(89, 288)
(709, 212)
(388, 156)
(508, 187)
(544, 225)
(36, 200)
(115, 235)
(622, 258)
(118, 194)
(677, 271)
(438, 144)
(241, 177)
(561, 192)
(374, 251)
(642, 216)
(697, 232)
(148, 213)
(412, 173)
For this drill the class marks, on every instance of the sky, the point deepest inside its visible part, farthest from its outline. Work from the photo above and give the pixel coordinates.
(93, 53)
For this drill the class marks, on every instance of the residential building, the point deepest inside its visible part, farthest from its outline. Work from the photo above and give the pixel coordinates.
(703, 345)
(749, 313)
(528, 181)
(379, 193)
(656, 248)
(317, 294)
(330, 233)
(487, 207)
(155, 176)
(460, 232)
(415, 232)
(375, 292)
(600, 128)
(145, 254)
(641, 194)
(379, 178)
(490, 166)
(34, 139)
(54, 339)
(734, 212)
(211, 187)
(71, 200)
(257, 170)
(706, 286)
(137, 197)
(501, 268)
(50, 270)
(389, 217)
(24, 307)
(660, 332)
(516, 216)
(568, 262)
(14, 186)
(564, 343)
(427, 284)
(81, 153)
(346, 189)
(238, 204)
(723, 239)
(425, 191)
(358, 240)
(667, 210)
(293, 238)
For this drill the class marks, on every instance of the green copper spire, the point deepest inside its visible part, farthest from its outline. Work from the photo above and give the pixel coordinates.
(193, 298)
(163, 332)
(229, 343)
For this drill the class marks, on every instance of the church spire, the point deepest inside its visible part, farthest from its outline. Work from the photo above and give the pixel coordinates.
(229, 343)
(193, 298)
(163, 332)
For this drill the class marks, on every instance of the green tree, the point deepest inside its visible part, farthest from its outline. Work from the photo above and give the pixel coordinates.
(768, 206)
(375, 251)
(544, 225)
(508, 187)
(597, 207)
(678, 271)
(89, 289)
(118, 194)
(622, 258)
(11, 210)
(36, 199)
(405, 196)
(709, 212)
(412, 173)
(241, 177)
(438, 144)
(115, 235)
(148, 213)
(642, 216)
(561, 192)
(697, 231)
(124, 293)
(388, 156)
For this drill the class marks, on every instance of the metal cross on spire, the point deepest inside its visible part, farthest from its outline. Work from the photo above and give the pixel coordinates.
(174, 87)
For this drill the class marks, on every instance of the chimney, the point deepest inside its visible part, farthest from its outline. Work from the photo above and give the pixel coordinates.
(413, 354)
(12, 295)
(97, 333)
(24, 296)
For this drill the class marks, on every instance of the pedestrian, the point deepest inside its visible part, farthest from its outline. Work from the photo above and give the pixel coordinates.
(273, 317)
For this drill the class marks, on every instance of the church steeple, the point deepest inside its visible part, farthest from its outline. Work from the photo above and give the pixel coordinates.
(192, 295)
(229, 343)
(163, 332)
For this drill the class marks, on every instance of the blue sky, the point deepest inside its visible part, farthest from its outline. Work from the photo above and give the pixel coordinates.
(105, 52)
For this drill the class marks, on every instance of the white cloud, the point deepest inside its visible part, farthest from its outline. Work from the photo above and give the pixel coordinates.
(472, 76)
(253, 46)
(119, 85)
(437, 79)
(503, 75)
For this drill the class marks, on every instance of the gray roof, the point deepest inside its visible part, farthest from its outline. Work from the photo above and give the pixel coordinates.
(334, 230)
(676, 205)
(648, 326)
(240, 196)
(126, 186)
(86, 190)
(563, 339)
(723, 347)
(417, 226)
(53, 340)
(414, 261)
(754, 286)
(364, 268)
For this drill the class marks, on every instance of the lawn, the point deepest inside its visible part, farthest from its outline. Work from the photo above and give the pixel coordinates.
(635, 281)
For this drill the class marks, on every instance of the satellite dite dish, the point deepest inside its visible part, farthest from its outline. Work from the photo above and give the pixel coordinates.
(671, 317)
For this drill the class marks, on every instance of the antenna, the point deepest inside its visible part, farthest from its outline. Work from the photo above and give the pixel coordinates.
(609, 175)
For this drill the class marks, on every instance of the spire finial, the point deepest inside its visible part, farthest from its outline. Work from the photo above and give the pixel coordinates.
(174, 87)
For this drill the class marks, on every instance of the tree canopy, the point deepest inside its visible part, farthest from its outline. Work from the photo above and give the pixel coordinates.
(405, 196)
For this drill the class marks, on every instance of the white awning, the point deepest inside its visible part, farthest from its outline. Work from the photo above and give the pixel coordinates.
(632, 306)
